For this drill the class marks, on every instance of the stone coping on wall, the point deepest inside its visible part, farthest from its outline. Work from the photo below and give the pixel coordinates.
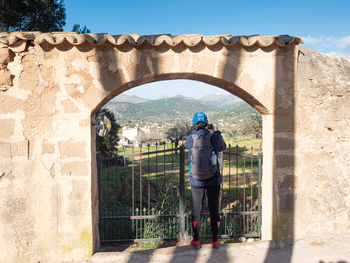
(56, 38)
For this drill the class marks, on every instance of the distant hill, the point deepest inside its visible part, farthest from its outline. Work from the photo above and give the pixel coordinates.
(133, 110)
(162, 110)
(221, 101)
(128, 98)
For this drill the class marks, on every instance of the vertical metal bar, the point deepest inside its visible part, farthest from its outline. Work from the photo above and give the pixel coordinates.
(172, 158)
(237, 163)
(251, 180)
(243, 193)
(141, 178)
(132, 185)
(144, 223)
(125, 183)
(182, 192)
(229, 175)
(149, 181)
(157, 166)
(136, 223)
(164, 164)
(116, 195)
(126, 192)
(259, 193)
(99, 175)
(108, 198)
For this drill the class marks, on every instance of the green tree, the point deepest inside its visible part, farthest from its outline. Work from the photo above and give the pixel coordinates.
(32, 15)
(107, 145)
(253, 125)
(80, 30)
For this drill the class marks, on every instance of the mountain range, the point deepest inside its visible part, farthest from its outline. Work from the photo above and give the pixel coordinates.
(134, 110)
(217, 100)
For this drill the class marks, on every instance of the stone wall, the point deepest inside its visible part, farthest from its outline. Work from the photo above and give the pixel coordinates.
(45, 167)
(52, 84)
(322, 145)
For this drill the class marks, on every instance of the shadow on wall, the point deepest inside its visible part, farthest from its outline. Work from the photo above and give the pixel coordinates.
(283, 155)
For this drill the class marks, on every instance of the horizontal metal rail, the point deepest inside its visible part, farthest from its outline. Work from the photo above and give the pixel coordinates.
(174, 215)
(239, 154)
(174, 238)
(242, 155)
(138, 154)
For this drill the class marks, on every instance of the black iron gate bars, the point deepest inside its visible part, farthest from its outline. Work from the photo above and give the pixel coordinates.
(145, 196)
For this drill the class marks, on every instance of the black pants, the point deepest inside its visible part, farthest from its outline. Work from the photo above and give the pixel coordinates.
(213, 205)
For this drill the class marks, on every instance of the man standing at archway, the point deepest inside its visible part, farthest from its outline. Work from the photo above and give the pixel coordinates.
(204, 144)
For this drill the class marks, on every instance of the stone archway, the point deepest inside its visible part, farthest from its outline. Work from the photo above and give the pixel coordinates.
(54, 83)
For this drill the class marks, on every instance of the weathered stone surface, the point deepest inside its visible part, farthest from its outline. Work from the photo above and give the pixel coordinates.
(69, 107)
(37, 127)
(75, 168)
(10, 104)
(322, 125)
(6, 56)
(29, 78)
(20, 149)
(73, 148)
(48, 174)
(284, 161)
(5, 77)
(5, 150)
(7, 127)
(48, 147)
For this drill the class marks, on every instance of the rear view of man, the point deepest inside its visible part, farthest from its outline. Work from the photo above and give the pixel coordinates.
(204, 144)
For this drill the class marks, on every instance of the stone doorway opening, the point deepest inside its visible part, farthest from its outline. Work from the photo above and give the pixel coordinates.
(134, 184)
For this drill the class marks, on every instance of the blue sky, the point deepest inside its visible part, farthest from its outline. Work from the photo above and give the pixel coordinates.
(323, 25)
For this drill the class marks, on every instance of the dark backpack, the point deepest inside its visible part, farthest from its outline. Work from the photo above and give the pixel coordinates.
(203, 164)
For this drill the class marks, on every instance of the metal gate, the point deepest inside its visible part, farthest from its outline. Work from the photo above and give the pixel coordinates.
(145, 195)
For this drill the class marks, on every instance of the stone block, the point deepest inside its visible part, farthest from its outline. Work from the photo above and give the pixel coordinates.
(5, 56)
(7, 128)
(48, 147)
(29, 78)
(286, 201)
(288, 182)
(284, 161)
(74, 90)
(5, 77)
(69, 107)
(48, 100)
(5, 151)
(19, 46)
(76, 197)
(17, 206)
(20, 149)
(37, 127)
(72, 148)
(91, 97)
(9, 104)
(285, 122)
(284, 144)
(75, 168)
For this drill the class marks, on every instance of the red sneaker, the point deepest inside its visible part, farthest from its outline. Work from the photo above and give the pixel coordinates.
(196, 243)
(215, 244)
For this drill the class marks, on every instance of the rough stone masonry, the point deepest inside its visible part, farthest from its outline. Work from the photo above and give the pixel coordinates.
(51, 85)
